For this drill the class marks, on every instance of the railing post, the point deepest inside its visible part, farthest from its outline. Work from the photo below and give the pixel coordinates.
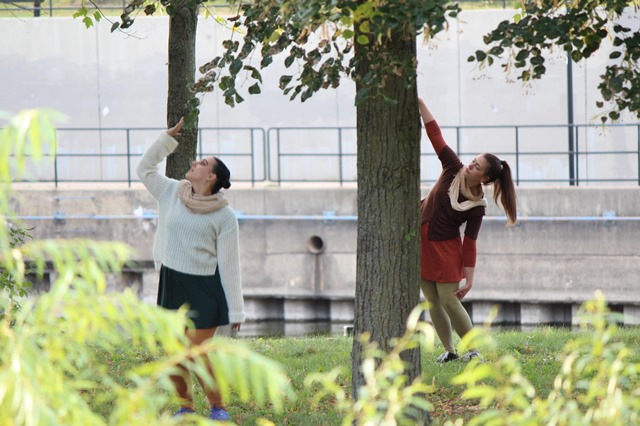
(572, 160)
(129, 157)
(253, 164)
(577, 160)
(55, 160)
(265, 150)
(278, 154)
(516, 128)
(340, 154)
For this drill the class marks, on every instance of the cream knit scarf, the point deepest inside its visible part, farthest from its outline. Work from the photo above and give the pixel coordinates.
(200, 203)
(459, 185)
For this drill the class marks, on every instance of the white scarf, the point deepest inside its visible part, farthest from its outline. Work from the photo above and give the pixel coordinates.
(200, 203)
(458, 185)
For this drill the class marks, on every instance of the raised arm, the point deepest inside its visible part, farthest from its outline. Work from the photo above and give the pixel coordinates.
(424, 112)
(147, 169)
(431, 125)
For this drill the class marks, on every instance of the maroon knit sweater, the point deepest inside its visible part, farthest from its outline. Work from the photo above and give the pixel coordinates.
(444, 221)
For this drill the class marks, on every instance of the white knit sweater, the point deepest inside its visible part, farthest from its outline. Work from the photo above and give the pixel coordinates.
(188, 242)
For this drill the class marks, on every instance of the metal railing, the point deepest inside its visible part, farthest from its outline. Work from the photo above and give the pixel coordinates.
(602, 154)
(107, 154)
(593, 153)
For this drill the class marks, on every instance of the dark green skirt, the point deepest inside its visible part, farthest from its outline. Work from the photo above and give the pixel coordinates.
(203, 294)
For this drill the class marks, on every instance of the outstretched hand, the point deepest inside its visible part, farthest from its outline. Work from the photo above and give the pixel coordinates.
(175, 130)
(426, 115)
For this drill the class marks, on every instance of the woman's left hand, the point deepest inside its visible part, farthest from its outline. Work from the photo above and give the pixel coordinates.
(235, 326)
(462, 291)
(175, 130)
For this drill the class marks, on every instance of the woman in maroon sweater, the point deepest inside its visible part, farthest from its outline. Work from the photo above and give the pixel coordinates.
(456, 198)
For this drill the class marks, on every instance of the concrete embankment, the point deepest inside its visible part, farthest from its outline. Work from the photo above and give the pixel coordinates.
(298, 248)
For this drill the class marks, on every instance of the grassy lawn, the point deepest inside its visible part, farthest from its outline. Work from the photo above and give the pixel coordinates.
(538, 352)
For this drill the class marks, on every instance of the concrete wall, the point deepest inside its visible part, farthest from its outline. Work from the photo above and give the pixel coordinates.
(537, 271)
(110, 80)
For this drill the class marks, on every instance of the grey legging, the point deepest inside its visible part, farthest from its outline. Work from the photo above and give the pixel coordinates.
(446, 310)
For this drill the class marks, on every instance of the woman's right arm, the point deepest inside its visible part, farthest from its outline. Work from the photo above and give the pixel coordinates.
(147, 170)
(431, 125)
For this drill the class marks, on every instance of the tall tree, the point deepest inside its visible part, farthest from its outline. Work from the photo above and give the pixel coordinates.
(181, 99)
(388, 167)
(375, 44)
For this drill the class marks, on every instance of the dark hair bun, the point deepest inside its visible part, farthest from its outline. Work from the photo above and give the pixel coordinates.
(226, 184)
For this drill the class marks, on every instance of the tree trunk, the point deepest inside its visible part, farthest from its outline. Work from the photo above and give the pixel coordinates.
(182, 71)
(388, 249)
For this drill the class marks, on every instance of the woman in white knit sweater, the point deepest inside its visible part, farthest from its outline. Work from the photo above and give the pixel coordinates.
(197, 252)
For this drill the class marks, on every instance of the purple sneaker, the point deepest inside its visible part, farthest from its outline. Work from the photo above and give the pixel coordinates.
(219, 414)
(182, 411)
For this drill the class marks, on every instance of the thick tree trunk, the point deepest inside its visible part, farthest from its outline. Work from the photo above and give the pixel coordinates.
(182, 71)
(388, 250)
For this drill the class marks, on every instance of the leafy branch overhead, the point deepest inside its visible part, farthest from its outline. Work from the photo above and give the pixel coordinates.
(317, 41)
(579, 28)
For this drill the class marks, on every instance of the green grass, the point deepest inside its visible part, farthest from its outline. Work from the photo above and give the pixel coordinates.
(538, 352)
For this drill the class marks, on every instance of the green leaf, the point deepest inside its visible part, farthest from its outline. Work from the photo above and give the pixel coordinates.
(480, 391)
(266, 61)
(522, 55)
(150, 9)
(255, 74)
(80, 12)
(480, 55)
(115, 26)
(254, 89)
(306, 95)
(97, 16)
(362, 39)
(576, 56)
(284, 81)
(614, 55)
(235, 67)
(289, 60)
(88, 22)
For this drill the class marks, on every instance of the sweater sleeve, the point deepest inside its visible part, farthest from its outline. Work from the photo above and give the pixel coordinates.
(468, 252)
(155, 182)
(228, 251)
(435, 136)
(471, 231)
(472, 228)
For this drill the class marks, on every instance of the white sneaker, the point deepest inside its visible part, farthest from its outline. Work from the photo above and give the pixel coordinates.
(446, 357)
(469, 355)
